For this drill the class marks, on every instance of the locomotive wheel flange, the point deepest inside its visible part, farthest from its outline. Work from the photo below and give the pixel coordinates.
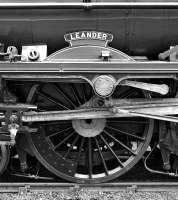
(87, 151)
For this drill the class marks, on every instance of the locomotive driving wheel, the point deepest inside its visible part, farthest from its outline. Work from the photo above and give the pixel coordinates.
(91, 150)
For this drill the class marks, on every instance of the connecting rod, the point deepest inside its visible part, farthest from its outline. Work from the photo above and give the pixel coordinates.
(156, 109)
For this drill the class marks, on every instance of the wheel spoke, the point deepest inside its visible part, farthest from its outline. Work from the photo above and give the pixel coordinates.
(64, 140)
(58, 132)
(41, 110)
(51, 99)
(31, 94)
(83, 93)
(74, 91)
(119, 142)
(111, 150)
(80, 150)
(130, 93)
(101, 156)
(66, 97)
(90, 157)
(127, 93)
(126, 133)
(71, 147)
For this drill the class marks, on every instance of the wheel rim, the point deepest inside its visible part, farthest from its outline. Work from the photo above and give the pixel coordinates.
(90, 151)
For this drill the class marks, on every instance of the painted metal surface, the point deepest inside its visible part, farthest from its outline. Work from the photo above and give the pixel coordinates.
(84, 67)
(136, 31)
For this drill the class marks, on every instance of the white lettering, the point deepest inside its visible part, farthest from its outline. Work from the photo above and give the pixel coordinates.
(99, 36)
(77, 35)
(88, 34)
(71, 37)
(104, 36)
(94, 35)
(83, 35)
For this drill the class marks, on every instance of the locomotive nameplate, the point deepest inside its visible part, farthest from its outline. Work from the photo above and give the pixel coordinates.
(88, 37)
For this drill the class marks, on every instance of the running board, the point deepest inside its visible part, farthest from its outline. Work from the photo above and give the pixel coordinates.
(89, 5)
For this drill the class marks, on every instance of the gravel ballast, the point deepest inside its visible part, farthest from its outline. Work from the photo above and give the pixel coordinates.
(88, 195)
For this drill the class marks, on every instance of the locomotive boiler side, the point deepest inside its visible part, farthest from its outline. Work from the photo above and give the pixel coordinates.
(137, 31)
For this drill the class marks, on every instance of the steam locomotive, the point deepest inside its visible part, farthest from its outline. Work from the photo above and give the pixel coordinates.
(85, 84)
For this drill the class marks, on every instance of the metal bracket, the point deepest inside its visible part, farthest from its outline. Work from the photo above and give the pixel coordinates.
(11, 54)
(132, 188)
(32, 53)
(24, 190)
(105, 55)
(7, 137)
(75, 188)
(86, 1)
(171, 53)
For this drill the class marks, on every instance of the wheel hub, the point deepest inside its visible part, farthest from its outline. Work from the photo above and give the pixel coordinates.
(89, 127)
